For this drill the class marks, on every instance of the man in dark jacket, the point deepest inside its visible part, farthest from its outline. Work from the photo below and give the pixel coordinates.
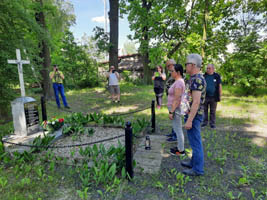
(213, 95)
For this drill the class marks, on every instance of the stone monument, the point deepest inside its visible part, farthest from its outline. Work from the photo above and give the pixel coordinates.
(24, 109)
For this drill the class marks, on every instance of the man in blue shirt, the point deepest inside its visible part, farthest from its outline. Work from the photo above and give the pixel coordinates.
(213, 95)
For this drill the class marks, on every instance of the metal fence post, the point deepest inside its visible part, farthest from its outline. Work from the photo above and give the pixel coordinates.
(2, 146)
(153, 117)
(44, 115)
(128, 149)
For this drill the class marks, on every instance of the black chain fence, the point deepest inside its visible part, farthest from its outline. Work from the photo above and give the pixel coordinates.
(63, 146)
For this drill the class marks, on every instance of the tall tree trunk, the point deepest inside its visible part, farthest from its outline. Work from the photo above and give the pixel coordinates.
(145, 46)
(45, 55)
(205, 21)
(114, 32)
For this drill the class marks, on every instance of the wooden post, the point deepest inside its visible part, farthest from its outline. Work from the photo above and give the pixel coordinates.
(153, 117)
(128, 149)
(44, 115)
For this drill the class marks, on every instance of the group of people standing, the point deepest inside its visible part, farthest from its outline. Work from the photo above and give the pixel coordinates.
(57, 78)
(188, 100)
(191, 100)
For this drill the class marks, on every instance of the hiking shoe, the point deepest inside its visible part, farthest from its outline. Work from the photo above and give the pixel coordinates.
(176, 152)
(171, 139)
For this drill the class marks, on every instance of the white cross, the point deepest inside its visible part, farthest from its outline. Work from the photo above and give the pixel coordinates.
(20, 62)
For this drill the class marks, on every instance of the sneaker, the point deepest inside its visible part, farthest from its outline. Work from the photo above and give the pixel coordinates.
(171, 139)
(212, 126)
(169, 135)
(158, 107)
(191, 172)
(176, 152)
(67, 107)
(203, 125)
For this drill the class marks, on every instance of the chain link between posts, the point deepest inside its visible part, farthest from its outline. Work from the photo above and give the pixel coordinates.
(64, 146)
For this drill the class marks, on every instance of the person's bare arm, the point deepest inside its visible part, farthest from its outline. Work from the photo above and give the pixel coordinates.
(196, 95)
(107, 74)
(176, 101)
(163, 76)
(153, 77)
(117, 75)
(52, 75)
(61, 75)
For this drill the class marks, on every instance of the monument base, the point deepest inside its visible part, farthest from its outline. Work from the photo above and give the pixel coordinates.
(25, 116)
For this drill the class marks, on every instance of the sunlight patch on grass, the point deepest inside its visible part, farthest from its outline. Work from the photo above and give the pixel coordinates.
(99, 89)
(128, 94)
(122, 109)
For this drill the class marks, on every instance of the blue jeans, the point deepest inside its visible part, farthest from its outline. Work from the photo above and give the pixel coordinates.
(59, 88)
(173, 134)
(194, 137)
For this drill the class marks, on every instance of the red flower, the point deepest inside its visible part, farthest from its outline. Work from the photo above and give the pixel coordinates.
(61, 120)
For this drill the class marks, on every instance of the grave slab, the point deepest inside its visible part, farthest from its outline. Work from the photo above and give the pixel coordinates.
(26, 140)
(149, 161)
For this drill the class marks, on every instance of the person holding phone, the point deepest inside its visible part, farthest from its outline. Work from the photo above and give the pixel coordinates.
(159, 77)
(113, 82)
(57, 78)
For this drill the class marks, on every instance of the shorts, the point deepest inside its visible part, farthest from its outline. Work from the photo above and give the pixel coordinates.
(114, 89)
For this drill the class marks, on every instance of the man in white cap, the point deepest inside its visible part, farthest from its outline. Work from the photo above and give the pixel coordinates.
(196, 90)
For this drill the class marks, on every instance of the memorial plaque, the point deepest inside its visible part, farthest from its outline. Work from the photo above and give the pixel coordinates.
(25, 116)
(32, 116)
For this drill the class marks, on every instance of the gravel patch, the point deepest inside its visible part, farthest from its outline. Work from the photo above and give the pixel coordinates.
(100, 133)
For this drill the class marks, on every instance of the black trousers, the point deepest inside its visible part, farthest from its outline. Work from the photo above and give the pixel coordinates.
(159, 95)
(210, 105)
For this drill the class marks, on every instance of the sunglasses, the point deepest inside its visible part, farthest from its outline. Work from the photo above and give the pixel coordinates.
(189, 64)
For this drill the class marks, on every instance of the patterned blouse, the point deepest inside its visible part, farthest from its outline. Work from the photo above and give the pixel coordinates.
(196, 82)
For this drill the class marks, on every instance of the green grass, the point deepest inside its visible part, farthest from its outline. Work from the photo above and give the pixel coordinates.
(236, 167)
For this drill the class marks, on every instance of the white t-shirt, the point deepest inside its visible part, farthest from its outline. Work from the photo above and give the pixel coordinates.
(113, 80)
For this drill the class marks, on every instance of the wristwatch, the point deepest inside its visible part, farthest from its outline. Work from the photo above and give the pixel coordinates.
(170, 112)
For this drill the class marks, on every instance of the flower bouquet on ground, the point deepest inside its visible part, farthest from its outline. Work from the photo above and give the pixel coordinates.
(53, 125)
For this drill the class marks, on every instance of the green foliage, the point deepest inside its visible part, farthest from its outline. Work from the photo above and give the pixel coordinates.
(139, 125)
(129, 48)
(38, 141)
(19, 30)
(79, 69)
(247, 67)
(102, 40)
(102, 171)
